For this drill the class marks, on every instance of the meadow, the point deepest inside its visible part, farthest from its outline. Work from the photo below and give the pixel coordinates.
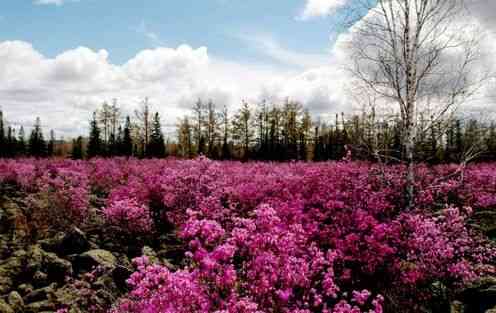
(184, 236)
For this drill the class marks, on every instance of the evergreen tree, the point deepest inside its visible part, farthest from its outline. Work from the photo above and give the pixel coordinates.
(318, 153)
(118, 148)
(127, 141)
(37, 144)
(51, 144)
(21, 142)
(2, 136)
(94, 142)
(11, 143)
(77, 148)
(156, 145)
(491, 143)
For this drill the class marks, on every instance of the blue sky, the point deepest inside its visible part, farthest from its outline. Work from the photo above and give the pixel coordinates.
(61, 59)
(120, 26)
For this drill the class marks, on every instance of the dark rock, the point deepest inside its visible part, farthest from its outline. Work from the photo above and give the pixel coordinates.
(94, 258)
(16, 302)
(40, 279)
(41, 294)
(74, 242)
(5, 308)
(56, 268)
(53, 243)
(173, 253)
(440, 301)
(120, 274)
(493, 310)
(480, 297)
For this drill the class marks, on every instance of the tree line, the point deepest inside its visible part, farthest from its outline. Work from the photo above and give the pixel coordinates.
(13, 142)
(256, 132)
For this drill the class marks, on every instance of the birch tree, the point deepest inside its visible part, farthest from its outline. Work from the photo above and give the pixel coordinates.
(419, 56)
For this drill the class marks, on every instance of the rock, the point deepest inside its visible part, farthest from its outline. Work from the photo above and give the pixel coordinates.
(174, 253)
(74, 242)
(456, 307)
(40, 306)
(94, 258)
(35, 258)
(480, 297)
(15, 301)
(120, 274)
(71, 242)
(5, 308)
(56, 268)
(8, 213)
(67, 296)
(41, 294)
(151, 254)
(40, 279)
(24, 289)
(53, 243)
(11, 269)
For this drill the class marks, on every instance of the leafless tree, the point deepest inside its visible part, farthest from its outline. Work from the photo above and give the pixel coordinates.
(419, 56)
(143, 118)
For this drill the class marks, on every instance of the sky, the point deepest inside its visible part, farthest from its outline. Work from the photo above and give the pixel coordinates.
(62, 58)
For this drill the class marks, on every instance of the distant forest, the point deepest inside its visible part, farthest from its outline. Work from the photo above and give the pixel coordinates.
(255, 132)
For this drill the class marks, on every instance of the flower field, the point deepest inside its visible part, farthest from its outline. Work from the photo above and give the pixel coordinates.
(268, 237)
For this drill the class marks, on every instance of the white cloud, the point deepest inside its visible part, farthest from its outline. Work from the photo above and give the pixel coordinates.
(267, 45)
(65, 89)
(320, 8)
(53, 2)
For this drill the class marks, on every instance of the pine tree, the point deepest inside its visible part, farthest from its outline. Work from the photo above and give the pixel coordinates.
(21, 142)
(11, 143)
(118, 148)
(2, 136)
(51, 144)
(94, 142)
(77, 148)
(491, 142)
(156, 145)
(37, 144)
(127, 141)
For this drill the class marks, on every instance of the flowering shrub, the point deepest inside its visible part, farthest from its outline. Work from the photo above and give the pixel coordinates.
(129, 216)
(293, 237)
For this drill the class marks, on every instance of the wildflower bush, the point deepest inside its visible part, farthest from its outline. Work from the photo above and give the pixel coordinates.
(292, 237)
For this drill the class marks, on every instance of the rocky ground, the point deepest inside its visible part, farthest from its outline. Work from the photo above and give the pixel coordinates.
(87, 267)
(80, 268)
